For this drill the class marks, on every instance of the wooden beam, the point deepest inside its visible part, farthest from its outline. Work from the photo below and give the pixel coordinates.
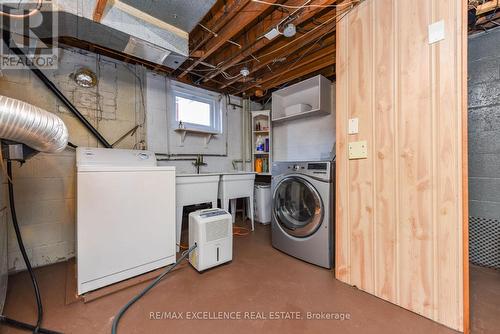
(268, 55)
(249, 13)
(304, 65)
(126, 8)
(274, 19)
(100, 5)
(487, 7)
(215, 23)
(198, 54)
(302, 71)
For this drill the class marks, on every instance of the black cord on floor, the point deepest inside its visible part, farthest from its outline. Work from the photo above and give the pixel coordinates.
(124, 309)
(11, 322)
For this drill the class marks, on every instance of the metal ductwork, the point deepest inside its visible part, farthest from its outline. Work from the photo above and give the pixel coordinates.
(24, 123)
(154, 31)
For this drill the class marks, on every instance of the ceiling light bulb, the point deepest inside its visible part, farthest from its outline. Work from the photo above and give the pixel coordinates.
(245, 72)
(85, 78)
(289, 30)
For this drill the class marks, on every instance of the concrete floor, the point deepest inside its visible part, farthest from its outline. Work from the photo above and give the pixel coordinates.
(259, 279)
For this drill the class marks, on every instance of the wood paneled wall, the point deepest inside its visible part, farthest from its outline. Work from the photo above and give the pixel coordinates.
(400, 213)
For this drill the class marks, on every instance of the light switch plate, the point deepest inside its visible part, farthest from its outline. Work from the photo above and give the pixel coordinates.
(358, 150)
(353, 126)
(436, 32)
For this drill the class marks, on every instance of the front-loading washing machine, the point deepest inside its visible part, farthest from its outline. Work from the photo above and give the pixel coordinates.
(303, 210)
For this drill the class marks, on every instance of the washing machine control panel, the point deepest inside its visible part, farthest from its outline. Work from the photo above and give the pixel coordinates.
(319, 166)
(317, 169)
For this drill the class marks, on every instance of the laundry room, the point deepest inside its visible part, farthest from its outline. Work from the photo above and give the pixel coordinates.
(274, 166)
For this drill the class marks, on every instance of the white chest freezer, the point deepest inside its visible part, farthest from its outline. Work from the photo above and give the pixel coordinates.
(125, 215)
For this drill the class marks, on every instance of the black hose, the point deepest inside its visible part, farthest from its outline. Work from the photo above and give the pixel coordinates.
(22, 325)
(124, 309)
(37, 328)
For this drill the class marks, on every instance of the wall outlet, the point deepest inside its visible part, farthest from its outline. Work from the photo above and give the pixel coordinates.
(436, 32)
(358, 150)
(353, 126)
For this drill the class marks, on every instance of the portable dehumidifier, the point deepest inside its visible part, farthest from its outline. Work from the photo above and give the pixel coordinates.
(212, 231)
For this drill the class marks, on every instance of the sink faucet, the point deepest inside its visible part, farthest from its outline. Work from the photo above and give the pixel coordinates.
(198, 163)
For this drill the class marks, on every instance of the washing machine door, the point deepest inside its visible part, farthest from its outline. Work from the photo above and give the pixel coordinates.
(297, 207)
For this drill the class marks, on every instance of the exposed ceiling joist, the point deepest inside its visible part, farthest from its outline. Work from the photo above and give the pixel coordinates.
(272, 79)
(251, 11)
(487, 7)
(272, 20)
(285, 48)
(220, 18)
(100, 5)
(148, 18)
(302, 71)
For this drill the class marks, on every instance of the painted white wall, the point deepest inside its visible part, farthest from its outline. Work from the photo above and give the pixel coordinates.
(45, 185)
(162, 138)
(305, 139)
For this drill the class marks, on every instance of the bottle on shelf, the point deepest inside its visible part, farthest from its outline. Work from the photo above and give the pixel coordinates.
(259, 144)
(258, 165)
(265, 165)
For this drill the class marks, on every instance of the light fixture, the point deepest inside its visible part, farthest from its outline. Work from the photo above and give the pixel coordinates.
(289, 30)
(244, 71)
(84, 77)
(271, 34)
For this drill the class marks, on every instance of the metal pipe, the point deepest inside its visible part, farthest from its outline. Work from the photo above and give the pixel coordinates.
(50, 85)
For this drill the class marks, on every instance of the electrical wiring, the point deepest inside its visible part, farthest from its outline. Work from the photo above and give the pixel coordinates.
(37, 328)
(240, 231)
(293, 13)
(207, 29)
(309, 49)
(307, 6)
(254, 58)
(341, 8)
(298, 38)
(229, 77)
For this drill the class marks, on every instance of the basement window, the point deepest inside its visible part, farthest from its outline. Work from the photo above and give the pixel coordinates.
(197, 111)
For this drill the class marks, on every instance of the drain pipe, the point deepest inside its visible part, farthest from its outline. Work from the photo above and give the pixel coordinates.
(248, 132)
(50, 85)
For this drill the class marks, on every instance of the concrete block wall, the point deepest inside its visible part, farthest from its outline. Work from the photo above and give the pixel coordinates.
(484, 148)
(45, 185)
(484, 125)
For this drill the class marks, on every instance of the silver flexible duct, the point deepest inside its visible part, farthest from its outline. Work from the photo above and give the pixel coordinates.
(24, 123)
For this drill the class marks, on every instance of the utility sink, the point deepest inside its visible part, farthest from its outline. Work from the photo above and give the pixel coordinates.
(192, 188)
(197, 188)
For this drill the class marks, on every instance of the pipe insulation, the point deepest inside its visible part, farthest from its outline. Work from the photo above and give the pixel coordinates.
(35, 127)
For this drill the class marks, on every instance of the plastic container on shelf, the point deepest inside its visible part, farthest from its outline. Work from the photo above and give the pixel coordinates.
(262, 203)
(265, 165)
(259, 144)
(258, 165)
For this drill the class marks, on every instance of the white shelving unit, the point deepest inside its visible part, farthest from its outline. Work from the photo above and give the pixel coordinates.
(262, 118)
(311, 97)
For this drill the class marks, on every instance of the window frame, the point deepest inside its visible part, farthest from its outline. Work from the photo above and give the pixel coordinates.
(196, 95)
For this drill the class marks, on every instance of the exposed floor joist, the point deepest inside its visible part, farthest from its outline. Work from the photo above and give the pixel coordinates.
(315, 21)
